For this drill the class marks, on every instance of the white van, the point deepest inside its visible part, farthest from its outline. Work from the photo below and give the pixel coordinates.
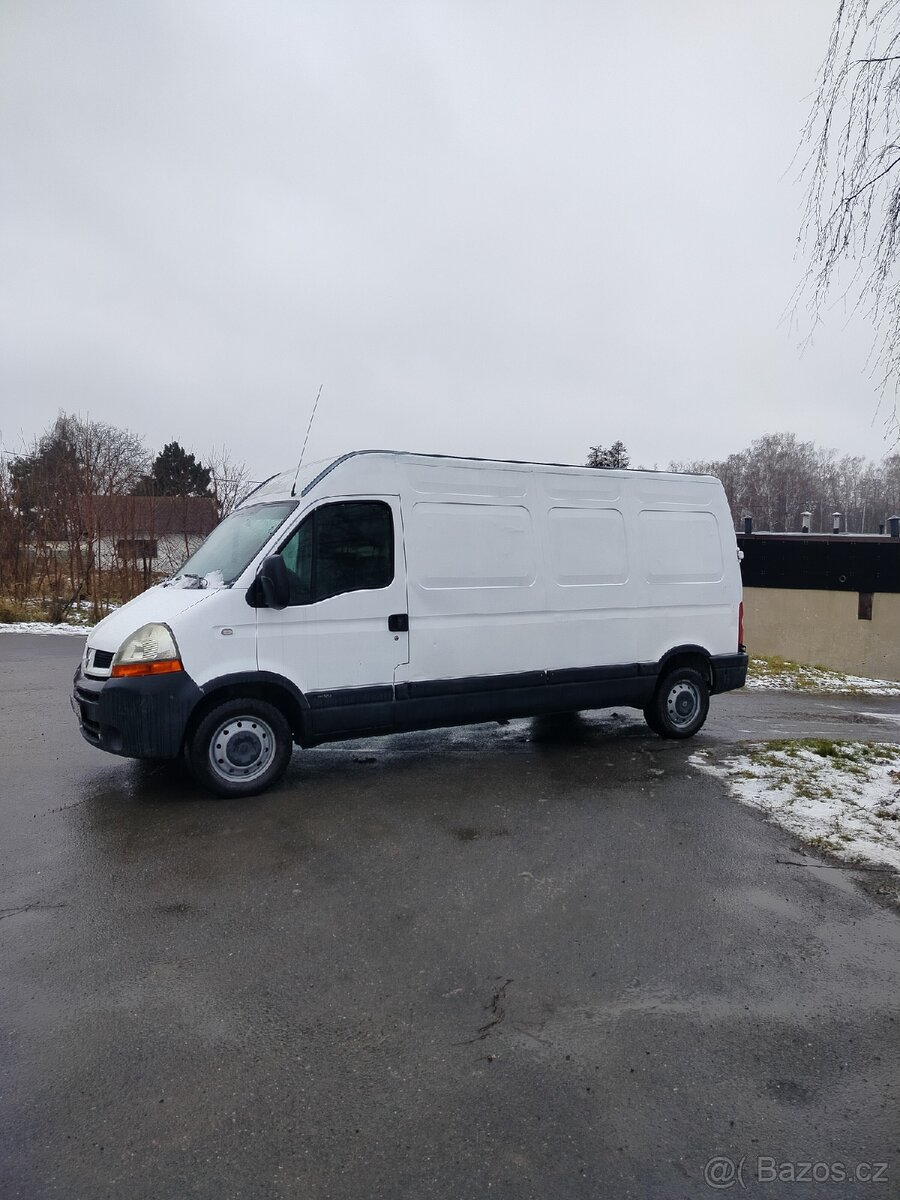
(385, 591)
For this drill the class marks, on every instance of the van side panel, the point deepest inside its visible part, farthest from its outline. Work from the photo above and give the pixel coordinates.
(474, 557)
(622, 569)
(687, 573)
(473, 547)
(589, 567)
(649, 569)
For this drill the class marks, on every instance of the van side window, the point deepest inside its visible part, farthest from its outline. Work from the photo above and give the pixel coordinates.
(346, 547)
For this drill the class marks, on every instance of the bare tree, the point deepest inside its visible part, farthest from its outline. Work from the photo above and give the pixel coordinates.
(12, 543)
(777, 478)
(54, 490)
(229, 480)
(852, 141)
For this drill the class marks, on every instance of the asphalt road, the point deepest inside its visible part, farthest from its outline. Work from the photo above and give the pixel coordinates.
(547, 959)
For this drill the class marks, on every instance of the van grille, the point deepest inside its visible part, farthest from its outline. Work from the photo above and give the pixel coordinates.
(97, 663)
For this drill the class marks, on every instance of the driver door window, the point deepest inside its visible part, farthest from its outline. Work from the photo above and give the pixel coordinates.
(338, 548)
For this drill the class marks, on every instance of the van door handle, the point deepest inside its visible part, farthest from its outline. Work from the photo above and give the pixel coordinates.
(398, 622)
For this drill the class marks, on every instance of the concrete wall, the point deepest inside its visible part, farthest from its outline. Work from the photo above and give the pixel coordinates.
(822, 629)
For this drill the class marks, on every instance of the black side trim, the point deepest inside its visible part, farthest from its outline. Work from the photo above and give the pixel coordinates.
(432, 703)
(428, 689)
(344, 712)
(344, 697)
(519, 680)
(464, 708)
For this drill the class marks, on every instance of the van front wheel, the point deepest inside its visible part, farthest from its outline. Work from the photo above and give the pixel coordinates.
(240, 748)
(679, 705)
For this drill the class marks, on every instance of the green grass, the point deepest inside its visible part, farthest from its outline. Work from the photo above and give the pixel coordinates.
(821, 842)
(799, 677)
(823, 747)
(839, 753)
(800, 779)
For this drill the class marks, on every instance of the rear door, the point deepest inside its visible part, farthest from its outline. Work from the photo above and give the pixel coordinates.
(346, 627)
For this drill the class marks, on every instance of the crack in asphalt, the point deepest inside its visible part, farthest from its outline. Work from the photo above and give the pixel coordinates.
(495, 1007)
(22, 908)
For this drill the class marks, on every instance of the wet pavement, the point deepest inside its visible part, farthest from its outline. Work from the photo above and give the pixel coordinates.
(544, 959)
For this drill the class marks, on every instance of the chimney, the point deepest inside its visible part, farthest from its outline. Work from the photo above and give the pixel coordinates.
(894, 526)
(805, 518)
(748, 525)
(881, 528)
(835, 522)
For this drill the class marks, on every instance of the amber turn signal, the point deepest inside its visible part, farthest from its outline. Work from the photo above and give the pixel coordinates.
(163, 666)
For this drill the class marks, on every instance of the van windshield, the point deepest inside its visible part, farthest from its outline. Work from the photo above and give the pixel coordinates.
(233, 545)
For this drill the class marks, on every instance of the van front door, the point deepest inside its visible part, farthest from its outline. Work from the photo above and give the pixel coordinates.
(345, 632)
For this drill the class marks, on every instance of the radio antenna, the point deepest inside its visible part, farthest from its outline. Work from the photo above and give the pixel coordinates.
(312, 417)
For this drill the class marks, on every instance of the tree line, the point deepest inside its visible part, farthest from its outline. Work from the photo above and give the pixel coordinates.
(777, 478)
(56, 495)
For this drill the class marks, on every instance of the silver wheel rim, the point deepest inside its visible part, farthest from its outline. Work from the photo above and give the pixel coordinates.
(683, 704)
(242, 748)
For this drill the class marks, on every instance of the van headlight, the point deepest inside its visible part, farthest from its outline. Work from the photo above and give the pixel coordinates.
(151, 650)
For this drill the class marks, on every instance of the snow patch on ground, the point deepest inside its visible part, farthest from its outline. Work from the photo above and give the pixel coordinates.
(842, 797)
(795, 677)
(81, 610)
(43, 627)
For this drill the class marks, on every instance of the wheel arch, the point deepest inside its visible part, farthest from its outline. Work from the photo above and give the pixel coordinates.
(256, 685)
(688, 656)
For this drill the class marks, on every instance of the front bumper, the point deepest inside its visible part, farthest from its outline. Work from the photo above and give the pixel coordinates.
(137, 718)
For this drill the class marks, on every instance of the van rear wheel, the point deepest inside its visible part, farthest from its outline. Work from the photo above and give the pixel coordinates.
(679, 705)
(240, 748)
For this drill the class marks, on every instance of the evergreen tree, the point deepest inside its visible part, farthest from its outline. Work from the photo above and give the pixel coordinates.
(616, 457)
(175, 472)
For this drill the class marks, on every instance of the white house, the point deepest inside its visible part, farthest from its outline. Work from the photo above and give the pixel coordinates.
(152, 533)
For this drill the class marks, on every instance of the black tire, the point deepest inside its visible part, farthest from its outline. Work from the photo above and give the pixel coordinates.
(679, 705)
(650, 718)
(240, 748)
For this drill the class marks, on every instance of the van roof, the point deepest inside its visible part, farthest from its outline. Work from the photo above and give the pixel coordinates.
(301, 480)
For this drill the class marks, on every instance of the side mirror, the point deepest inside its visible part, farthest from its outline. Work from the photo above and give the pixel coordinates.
(274, 581)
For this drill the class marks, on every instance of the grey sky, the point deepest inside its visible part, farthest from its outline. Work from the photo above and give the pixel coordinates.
(500, 228)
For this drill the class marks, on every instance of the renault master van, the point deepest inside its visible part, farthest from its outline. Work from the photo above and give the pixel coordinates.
(386, 591)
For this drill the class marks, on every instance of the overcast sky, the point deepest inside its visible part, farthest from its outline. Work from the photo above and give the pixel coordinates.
(511, 229)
